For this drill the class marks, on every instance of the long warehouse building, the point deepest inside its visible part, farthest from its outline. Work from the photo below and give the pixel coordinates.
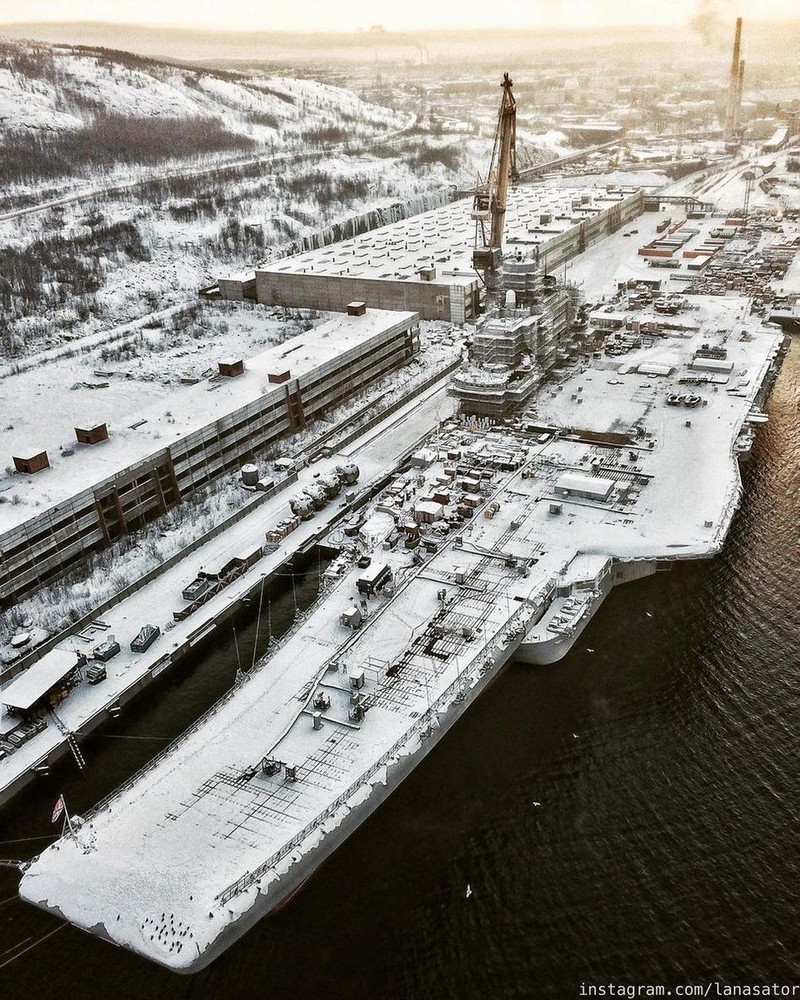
(424, 263)
(64, 508)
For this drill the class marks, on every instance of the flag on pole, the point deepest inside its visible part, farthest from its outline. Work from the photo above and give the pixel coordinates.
(58, 809)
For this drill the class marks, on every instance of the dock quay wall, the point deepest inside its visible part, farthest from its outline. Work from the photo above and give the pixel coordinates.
(205, 628)
(420, 387)
(43, 548)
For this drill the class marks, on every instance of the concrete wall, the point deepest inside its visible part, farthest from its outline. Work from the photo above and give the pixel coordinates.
(237, 289)
(431, 299)
(586, 232)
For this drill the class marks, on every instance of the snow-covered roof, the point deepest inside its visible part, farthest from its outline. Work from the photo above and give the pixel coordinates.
(595, 486)
(26, 690)
(711, 365)
(373, 572)
(444, 238)
(190, 409)
(428, 507)
(655, 369)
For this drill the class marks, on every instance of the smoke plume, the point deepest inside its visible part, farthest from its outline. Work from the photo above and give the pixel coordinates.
(709, 23)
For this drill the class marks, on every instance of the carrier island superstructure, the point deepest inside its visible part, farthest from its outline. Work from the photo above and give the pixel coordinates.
(494, 543)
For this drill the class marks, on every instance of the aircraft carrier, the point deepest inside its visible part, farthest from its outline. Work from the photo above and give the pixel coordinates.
(604, 448)
(494, 542)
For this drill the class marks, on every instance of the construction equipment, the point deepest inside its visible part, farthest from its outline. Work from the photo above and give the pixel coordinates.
(489, 203)
(749, 177)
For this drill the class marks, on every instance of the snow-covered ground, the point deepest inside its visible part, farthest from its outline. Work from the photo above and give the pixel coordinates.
(57, 89)
(305, 154)
(187, 253)
(726, 186)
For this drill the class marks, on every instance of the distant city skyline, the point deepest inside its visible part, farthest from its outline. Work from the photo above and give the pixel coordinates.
(355, 15)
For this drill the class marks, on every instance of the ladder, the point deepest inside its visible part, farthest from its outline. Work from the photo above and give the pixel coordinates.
(69, 736)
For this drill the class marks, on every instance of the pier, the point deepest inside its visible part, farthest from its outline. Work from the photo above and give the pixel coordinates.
(377, 452)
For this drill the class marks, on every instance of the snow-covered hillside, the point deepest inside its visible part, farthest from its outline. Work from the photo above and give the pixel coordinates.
(126, 183)
(61, 88)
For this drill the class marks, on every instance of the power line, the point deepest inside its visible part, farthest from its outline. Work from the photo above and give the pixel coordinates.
(14, 947)
(22, 840)
(25, 950)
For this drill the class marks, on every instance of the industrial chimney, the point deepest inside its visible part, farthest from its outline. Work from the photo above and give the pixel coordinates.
(734, 86)
(739, 86)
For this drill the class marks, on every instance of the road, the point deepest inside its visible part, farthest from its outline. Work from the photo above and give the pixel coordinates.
(160, 175)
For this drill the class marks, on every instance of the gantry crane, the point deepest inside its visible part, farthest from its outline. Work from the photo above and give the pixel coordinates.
(491, 194)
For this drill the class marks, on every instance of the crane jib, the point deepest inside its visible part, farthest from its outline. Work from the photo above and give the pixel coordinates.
(491, 195)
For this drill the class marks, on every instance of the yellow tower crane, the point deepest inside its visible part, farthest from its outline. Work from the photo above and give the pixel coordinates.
(491, 194)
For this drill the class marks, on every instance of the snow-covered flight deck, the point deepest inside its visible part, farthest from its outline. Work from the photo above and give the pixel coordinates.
(496, 542)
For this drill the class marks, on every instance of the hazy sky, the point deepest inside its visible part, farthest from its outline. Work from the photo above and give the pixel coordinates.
(349, 15)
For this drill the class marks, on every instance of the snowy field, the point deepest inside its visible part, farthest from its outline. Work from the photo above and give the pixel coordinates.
(87, 244)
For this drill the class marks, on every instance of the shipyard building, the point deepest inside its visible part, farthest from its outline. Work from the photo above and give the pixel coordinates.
(424, 263)
(117, 478)
(421, 267)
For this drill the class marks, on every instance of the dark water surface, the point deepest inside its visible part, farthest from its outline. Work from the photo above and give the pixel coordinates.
(665, 848)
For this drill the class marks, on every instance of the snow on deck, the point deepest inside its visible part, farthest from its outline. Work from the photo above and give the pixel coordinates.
(179, 855)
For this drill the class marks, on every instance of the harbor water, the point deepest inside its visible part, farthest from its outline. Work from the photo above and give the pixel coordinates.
(630, 815)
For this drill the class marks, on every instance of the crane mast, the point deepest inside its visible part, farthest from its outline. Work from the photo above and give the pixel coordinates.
(491, 194)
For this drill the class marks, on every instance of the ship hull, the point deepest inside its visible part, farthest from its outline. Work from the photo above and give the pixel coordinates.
(280, 893)
(553, 649)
